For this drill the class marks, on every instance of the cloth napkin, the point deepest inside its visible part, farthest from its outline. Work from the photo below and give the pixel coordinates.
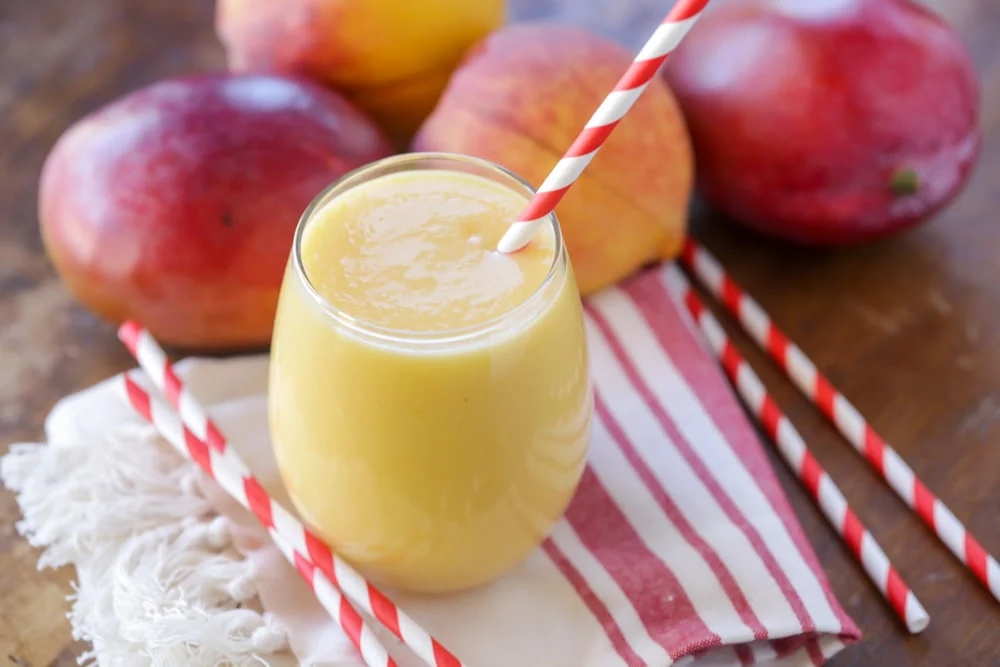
(678, 547)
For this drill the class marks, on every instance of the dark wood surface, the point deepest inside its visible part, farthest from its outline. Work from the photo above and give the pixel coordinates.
(908, 328)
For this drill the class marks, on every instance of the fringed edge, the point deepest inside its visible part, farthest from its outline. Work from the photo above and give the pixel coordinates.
(159, 582)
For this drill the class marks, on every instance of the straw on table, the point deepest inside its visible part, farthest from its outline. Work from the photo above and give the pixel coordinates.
(797, 456)
(169, 426)
(647, 63)
(209, 448)
(847, 419)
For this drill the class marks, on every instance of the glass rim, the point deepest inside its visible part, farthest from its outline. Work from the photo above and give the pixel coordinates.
(386, 334)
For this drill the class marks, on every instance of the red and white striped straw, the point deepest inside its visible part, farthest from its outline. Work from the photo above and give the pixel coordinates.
(797, 456)
(207, 446)
(661, 44)
(248, 493)
(848, 420)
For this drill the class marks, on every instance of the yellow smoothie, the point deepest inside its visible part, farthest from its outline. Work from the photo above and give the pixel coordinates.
(430, 398)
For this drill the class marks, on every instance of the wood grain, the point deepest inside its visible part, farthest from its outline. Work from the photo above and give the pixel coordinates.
(908, 328)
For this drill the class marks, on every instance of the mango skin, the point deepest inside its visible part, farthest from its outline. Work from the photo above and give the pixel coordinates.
(520, 98)
(176, 205)
(392, 58)
(828, 124)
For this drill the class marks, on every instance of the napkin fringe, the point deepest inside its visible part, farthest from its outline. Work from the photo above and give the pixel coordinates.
(159, 582)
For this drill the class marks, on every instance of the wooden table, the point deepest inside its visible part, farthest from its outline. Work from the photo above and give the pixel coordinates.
(908, 328)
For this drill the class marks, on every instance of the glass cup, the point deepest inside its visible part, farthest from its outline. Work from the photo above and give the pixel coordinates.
(437, 461)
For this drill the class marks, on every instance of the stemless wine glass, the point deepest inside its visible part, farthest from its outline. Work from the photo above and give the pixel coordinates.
(433, 461)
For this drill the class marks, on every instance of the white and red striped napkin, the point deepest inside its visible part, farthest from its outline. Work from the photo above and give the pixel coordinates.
(679, 546)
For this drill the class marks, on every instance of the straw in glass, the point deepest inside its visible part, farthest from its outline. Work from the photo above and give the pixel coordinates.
(647, 63)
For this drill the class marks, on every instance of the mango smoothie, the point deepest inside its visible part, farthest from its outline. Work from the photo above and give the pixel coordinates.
(429, 399)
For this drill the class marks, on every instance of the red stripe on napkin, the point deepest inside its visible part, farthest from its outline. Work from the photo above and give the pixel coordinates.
(704, 473)
(674, 328)
(594, 603)
(690, 534)
(723, 580)
(641, 575)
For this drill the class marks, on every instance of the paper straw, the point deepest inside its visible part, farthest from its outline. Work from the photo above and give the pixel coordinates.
(162, 417)
(797, 456)
(848, 420)
(661, 44)
(206, 445)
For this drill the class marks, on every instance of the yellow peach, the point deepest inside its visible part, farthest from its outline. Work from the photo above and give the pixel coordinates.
(390, 57)
(521, 97)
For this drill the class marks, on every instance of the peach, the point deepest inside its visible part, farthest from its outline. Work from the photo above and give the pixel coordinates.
(390, 57)
(522, 96)
(176, 205)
